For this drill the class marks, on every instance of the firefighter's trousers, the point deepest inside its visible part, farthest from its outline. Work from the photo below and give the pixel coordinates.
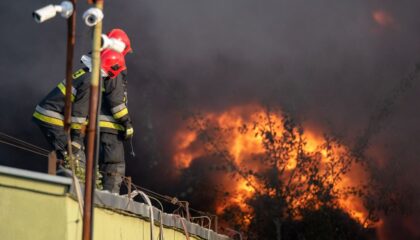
(111, 161)
(55, 136)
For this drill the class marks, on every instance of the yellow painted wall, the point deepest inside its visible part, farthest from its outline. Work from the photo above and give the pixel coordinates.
(42, 211)
(27, 214)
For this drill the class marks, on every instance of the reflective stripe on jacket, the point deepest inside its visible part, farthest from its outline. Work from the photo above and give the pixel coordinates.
(114, 112)
(51, 109)
(110, 122)
(48, 116)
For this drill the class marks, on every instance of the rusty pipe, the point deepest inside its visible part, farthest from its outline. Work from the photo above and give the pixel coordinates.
(91, 129)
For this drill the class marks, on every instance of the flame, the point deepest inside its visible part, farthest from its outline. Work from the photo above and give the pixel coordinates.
(243, 191)
(243, 143)
(353, 205)
(183, 156)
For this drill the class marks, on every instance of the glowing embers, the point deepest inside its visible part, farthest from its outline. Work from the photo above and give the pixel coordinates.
(268, 154)
(383, 18)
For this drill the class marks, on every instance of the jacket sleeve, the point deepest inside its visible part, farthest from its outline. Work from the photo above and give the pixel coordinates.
(80, 107)
(116, 98)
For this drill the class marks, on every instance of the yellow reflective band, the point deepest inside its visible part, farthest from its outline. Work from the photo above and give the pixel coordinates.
(63, 90)
(76, 126)
(78, 73)
(47, 119)
(129, 131)
(111, 125)
(121, 113)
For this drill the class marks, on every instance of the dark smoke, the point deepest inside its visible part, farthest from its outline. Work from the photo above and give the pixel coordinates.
(326, 62)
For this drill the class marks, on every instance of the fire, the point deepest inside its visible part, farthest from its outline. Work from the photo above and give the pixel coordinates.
(352, 204)
(383, 18)
(242, 192)
(244, 143)
(184, 155)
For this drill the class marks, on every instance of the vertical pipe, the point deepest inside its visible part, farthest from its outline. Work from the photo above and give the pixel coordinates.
(96, 153)
(93, 114)
(52, 163)
(71, 40)
(187, 208)
(71, 32)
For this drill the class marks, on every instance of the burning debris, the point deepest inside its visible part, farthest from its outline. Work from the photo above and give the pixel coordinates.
(266, 155)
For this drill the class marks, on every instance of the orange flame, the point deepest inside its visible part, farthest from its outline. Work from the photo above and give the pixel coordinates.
(242, 143)
(184, 155)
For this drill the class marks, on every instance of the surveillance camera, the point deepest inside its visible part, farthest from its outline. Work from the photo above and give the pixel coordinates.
(49, 11)
(112, 43)
(92, 16)
(44, 13)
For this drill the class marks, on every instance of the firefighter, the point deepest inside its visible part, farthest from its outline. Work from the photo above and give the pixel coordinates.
(115, 124)
(49, 113)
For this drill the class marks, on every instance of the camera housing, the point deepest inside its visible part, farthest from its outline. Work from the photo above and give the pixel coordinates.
(112, 43)
(92, 16)
(43, 14)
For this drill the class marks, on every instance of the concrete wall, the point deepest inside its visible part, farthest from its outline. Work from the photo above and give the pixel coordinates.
(36, 209)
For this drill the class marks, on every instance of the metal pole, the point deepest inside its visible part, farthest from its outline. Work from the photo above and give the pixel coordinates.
(71, 40)
(71, 32)
(235, 232)
(202, 220)
(187, 209)
(52, 163)
(93, 114)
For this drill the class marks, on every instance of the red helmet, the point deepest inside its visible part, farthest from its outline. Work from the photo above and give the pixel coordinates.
(122, 36)
(112, 62)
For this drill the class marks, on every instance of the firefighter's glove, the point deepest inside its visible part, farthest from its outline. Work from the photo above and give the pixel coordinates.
(129, 131)
(76, 148)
